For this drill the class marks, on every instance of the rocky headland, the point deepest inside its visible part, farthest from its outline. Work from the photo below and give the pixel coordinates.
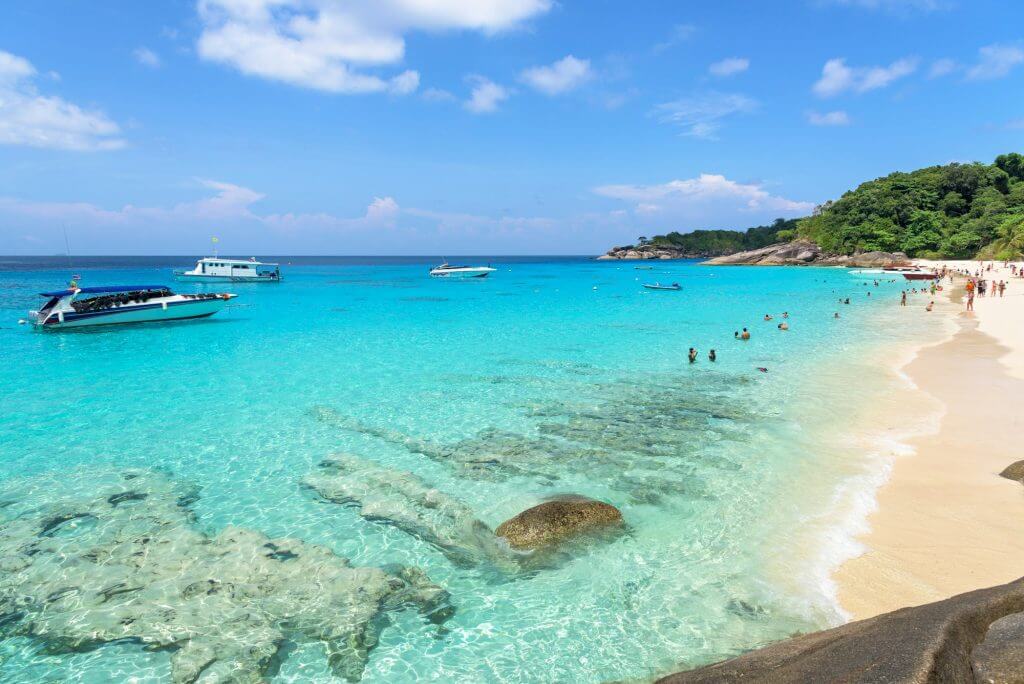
(797, 253)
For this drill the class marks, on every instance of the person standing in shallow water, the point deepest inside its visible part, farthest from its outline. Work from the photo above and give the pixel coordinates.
(712, 356)
(745, 335)
(903, 298)
(693, 354)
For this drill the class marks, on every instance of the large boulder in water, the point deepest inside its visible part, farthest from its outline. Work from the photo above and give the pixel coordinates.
(556, 521)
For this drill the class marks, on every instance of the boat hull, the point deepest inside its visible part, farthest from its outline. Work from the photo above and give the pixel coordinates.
(459, 275)
(921, 276)
(190, 278)
(142, 313)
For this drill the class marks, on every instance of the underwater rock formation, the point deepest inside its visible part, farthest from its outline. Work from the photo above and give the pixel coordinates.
(404, 500)
(647, 442)
(555, 521)
(399, 498)
(963, 639)
(124, 562)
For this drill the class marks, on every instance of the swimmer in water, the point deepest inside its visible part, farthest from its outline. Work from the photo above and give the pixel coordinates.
(745, 335)
(783, 326)
(736, 334)
(762, 369)
(712, 356)
(835, 315)
(693, 354)
(767, 317)
(785, 314)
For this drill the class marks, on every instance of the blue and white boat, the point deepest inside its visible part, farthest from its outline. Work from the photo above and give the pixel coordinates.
(77, 307)
(446, 270)
(215, 269)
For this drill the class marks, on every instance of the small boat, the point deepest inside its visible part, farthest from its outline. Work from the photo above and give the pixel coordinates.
(446, 270)
(77, 307)
(643, 268)
(920, 275)
(659, 286)
(216, 269)
(867, 272)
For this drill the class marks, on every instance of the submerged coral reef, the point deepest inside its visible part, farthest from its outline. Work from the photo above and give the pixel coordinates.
(123, 561)
(647, 444)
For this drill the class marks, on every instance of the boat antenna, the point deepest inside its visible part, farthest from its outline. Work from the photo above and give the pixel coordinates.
(67, 253)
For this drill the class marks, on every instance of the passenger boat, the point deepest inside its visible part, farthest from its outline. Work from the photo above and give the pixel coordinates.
(215, 269)
(81, 306)
(659, 286)
(446, 270)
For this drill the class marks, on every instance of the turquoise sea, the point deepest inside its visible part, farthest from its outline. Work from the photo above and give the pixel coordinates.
(740, 489)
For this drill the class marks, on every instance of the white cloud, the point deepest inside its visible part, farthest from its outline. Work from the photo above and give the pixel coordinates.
(146, 57)
(405, 83)
(438, 95)
(324, 44)
(562, 76)
(701, 115)
(680, 33)
(34, 120)
(706, 189)
(486, 96)
(729, 66)
(837, 77)
(836, 118)
(942, 67)
(995, 61)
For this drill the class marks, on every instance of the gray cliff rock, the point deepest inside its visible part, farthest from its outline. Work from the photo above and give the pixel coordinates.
(961, 640)
(646, 252)
(802, 252)
(555, 521)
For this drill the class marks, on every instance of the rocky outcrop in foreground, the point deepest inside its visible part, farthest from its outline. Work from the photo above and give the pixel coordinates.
(973, 638)
(802, 252)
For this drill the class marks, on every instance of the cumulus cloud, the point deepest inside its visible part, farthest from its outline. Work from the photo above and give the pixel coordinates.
(942, 67)
(729, 66)
(562, 76)
(485, 96)
(836, 118)
(837, 77)
(701, 116)
(327, 44)
(706, 189)
(996, 61)
(35, 120)
(146, 57)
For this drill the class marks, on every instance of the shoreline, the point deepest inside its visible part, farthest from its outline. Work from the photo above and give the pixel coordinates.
(944, 522)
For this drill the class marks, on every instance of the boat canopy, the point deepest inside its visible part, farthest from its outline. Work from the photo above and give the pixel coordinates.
(105, 289)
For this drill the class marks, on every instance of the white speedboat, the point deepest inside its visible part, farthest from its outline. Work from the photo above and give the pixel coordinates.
(81, 306)
(215, 269)
(446, 270)
(867, 272)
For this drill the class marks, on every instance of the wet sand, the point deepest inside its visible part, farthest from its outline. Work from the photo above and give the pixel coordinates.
(946, 522)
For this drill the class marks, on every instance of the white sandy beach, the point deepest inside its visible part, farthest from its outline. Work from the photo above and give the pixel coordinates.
(946, 522)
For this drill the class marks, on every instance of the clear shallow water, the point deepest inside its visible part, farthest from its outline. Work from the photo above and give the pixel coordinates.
(552, 376)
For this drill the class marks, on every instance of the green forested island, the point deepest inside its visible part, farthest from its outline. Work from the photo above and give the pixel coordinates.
(955, 211)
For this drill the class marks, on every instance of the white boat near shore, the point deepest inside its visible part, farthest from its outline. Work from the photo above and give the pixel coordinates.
(112, 304)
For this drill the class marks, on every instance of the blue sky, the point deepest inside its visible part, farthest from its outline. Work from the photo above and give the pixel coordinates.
(493, 126)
